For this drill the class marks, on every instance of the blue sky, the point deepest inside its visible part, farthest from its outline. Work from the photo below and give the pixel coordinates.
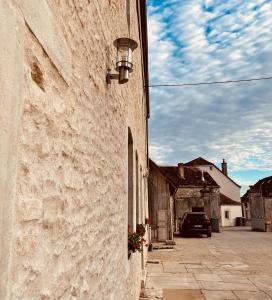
(196, 41)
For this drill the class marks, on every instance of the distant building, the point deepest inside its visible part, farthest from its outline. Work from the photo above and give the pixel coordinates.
(230, 200)
(196, 191)
(161, 190)
(258, 199)
(230, 210)
(188, 188)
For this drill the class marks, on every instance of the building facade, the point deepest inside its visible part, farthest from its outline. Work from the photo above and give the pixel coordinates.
(74, 150)
(230, 200)
(195, 191)
(161, 204)
(259, 200)
(230, 211)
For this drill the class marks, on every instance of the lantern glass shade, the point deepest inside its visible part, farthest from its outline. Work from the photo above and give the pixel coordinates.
(125, 47)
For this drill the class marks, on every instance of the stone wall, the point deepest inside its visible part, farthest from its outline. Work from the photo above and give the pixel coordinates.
(188, 197)
(64, 150)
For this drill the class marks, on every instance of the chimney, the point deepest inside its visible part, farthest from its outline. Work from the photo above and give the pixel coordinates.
(224, 167)
(181, 170)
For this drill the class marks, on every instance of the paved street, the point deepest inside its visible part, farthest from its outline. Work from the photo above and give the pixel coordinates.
(233, 264)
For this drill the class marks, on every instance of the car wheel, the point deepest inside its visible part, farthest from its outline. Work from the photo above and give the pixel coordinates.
(209, 234)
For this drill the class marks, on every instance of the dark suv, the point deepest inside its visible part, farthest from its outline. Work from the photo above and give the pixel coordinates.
(195, 222)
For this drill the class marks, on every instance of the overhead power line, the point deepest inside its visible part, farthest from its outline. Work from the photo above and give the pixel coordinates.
(211, 82)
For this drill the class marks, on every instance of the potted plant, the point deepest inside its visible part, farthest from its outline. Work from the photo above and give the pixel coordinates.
(140, 229)
(136, 241)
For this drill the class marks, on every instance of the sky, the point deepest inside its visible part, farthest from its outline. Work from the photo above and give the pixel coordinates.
(194, 41)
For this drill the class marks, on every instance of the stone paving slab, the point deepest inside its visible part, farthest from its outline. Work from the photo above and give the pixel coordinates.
(194, 266)
(174, 267)
(183, 275)
(199, 271)
(235, 279)
(177, 294)
(170, 282)
(244, 295)
(219, 271)
(264, 283)
(154, 268)
(208, 277)
(219, 295)
(243, 272)
(227, 286)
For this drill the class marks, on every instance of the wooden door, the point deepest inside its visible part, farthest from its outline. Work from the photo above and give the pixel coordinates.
(162, 225)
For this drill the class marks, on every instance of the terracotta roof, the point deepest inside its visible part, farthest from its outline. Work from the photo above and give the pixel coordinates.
(224, 200)
(200, 161)
(264, 186)
(192, 176)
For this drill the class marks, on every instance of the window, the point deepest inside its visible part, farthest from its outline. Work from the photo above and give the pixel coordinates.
(227, 214)
(130, 179)
(137, 191)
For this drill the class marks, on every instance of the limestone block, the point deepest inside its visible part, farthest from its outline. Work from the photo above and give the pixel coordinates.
(43, 24)
(29, 209)
(27, 244)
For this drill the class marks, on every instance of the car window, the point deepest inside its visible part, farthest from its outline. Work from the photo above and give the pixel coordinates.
(196, 217)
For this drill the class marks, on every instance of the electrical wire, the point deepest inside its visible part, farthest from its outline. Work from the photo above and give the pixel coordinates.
(211, 82)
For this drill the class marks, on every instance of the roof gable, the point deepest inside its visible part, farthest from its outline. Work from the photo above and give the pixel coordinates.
(264, 186)
(200, 161)
(192, 176)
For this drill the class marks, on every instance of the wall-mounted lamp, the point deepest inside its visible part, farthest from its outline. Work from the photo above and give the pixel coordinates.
(125, 47)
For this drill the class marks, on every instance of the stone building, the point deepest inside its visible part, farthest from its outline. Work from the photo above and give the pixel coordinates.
(230, 211)
(74, 150)
(230, 200)
(259, 201)
(161, 192)
(191, 190)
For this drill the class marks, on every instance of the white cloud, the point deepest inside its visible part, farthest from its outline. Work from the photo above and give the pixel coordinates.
(197, 40)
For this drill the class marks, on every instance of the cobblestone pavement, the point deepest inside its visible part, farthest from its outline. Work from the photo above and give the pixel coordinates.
(233, 264)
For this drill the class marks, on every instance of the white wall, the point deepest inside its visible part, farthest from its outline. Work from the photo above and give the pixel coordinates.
(227, 187)
(234, 212)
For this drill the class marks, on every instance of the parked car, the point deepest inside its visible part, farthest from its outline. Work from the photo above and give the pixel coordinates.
(195, 222)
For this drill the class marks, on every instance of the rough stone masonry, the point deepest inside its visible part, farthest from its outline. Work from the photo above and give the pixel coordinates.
(63, 153)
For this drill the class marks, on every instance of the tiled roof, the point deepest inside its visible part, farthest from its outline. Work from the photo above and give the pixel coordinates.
(200, 161)
(172, 173)
(224, 200)
(264, 186)
(192, 176)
